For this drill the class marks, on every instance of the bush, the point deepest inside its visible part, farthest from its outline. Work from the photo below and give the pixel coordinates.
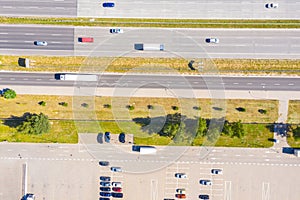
(107, 106)
(65, 104)
(175, 107)
(85, 105)
(150, 107)
(197, 108)
(42, 103)
(262, 111)
(241, 109)
(130, 107)
(9, 94)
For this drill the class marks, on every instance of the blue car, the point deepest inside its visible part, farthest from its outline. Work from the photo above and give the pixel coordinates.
(105, 194)
(107, 137)
(108, 4)
(105, 184)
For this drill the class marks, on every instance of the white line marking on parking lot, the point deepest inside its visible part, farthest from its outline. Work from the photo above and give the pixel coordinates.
(227, 194)
(154, 193)
(265, 191)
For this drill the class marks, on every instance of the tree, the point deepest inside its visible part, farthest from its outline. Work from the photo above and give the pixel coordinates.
(212, 134)
(171, 125)
(227, 130)
(237, 129)
(9, 94)
(202, 127)
(35, 124)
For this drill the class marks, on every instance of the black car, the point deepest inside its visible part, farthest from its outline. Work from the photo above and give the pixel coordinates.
(122, 137)
(104, 178)
(108, 5)
(107, 137)
(104, 198)
(105, 189)
(117, 195)
(105, 194)
(104, 163)
(203, 196)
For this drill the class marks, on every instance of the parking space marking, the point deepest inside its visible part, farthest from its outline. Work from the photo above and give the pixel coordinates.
(227, 192)
(154, 189)
(265, 191)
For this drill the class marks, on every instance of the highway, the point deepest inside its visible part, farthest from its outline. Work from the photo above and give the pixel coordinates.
(48, 8)
(186, 43)
(159, 81)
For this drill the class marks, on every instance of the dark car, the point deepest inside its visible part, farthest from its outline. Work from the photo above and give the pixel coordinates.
(105, 184)
(108, 4)
(104, 178)
(105, 189)
(105, 194)
(122, 137)
(104, 163)
(107, 137)
(104, 198)
(117, 195)
(203, 196)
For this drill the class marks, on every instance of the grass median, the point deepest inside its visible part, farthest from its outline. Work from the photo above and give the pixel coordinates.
(151, 65)
(161, 23)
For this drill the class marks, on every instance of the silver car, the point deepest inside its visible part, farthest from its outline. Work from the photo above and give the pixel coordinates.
(40, 43)
(212, 40)
(205, 182)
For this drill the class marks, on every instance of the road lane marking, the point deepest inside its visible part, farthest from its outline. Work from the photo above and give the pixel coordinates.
(29, 33)
(290, 84)
(3, 33)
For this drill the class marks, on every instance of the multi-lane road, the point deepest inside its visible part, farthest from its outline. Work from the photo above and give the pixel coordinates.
(193, 9)
(187, 43)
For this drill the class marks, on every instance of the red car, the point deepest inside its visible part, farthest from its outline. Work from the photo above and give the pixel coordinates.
(85, 39)
(117, 189)
(180, 196)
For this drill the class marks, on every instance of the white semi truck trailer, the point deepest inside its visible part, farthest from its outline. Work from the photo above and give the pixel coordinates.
(78, 77)
(149, 47)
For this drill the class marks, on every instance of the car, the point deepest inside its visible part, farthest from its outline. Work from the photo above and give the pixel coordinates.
(85, 39)
(116, 169)
(180, 191)
(105, 184)
(168, 199)
(216, 171)
(104, 198)
(116, 184)
(180, 175)
(212, 40)
(103, 163)
(271, 5)
(104, 178)
(122, 137)
(40, 43)
(105, 189)
(117, 189)
(107, 137)
(105, 194)
(108, 4)
(29, 196)
(203, 196)
(205, 182)
(116, 30)
(180, 196)
(117, 195)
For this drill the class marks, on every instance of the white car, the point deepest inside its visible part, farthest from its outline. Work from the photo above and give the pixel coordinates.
(271, 5)
(116, 169)
(216, 171)
(29, 197)
(116, 184)
(180, 191)
(205, 182)
(212, 40)
(40, 43)
(116, 30)
(180, 175)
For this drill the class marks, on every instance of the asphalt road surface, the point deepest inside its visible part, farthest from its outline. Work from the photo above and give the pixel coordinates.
(49, 8)
(186, 43)
(159, 81)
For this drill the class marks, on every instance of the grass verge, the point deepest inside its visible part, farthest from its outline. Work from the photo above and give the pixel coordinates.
(293, 112)
(166, 23)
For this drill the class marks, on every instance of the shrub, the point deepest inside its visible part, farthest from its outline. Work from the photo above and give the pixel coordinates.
(65, 104)
(197, 108)
(9, 94)
(107, 106)
(262, 111)
(150, 107)
(130, 107)
(241, 109)
(42, 103)
(85, 105)
(175, 107)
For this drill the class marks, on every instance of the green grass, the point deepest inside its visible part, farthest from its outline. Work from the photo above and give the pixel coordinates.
(166, 23)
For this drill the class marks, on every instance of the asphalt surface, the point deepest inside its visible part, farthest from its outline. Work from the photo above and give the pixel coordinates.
(158, 81)
(49, 8)
(186, 43)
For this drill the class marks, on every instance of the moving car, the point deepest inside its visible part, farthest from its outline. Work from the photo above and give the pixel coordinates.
(271, 5)
(180, 191)
(105, 189)
(205, 182)
(203, 196)
(216, 171)
(105, 194)
(107, 137)
(104, 178)
(105, 184)
(104, 163)
(180, 196)
(117, 195)
(117, 189)
(116, 169)
(108, 5)
(116, 30)
(40, 43)
(212, 40)
(116, 184)
(122, 137)
(180, 175)
(85, 39)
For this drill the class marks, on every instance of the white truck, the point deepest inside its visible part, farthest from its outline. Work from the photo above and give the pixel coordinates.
(147, 150)
(78, 77)
(149, 47)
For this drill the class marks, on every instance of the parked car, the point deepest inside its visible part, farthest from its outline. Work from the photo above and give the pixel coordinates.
(105, 184)
(117, 195)
(85, 39)
(203, 196)
(116, 30)
(108, 5)
(180, 175)
(105, 194)
(40, 43)
(104, 178)
(29, 196)
(180, 196)
(122, 137)
(116, 169)
(216, 171)
(205, 182)
(116, 184)
(212, 40)
(117, 189)
(107, 137)
(104, 198)
(168, 199)
(271, 5)
(104, 163)
(180, 191)
(105, 189)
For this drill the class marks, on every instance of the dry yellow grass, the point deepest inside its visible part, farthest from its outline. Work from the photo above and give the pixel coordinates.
(294, 112)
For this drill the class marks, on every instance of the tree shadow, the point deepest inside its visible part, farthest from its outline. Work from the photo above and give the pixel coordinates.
(15, 121)
(151, 125)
